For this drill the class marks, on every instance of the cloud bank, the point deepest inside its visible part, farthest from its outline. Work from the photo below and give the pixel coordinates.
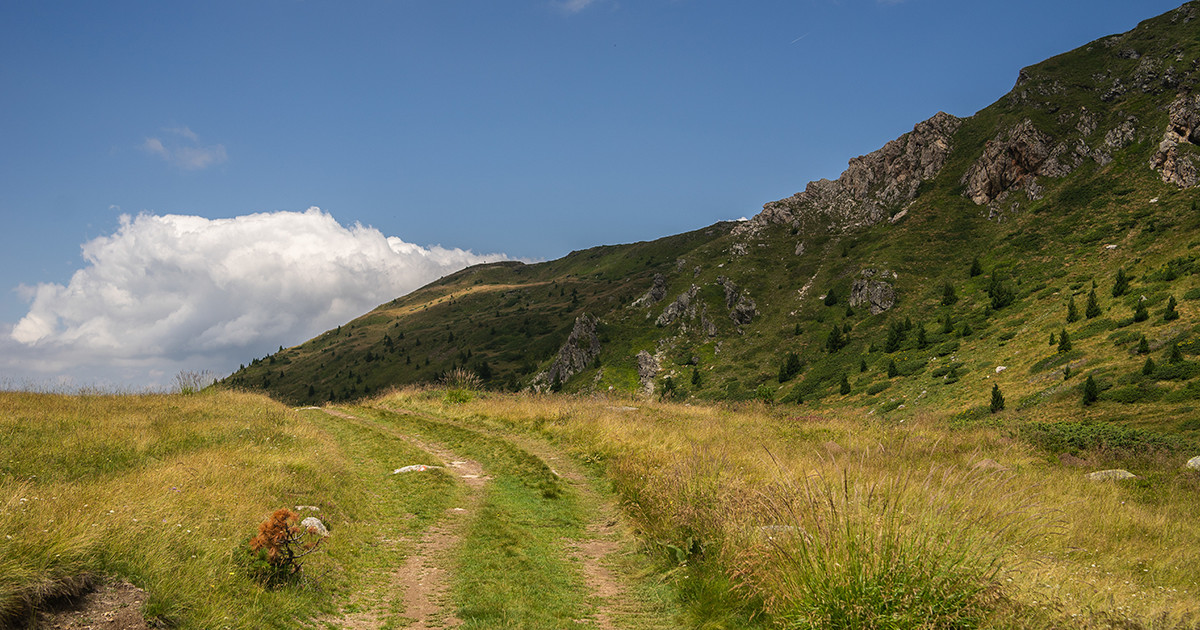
(166, 293)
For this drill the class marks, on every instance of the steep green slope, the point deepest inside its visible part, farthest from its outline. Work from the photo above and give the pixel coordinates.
(1055, 188)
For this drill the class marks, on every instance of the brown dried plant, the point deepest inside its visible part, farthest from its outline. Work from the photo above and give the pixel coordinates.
(282, 540)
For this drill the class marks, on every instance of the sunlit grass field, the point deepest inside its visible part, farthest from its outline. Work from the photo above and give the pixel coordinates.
(751, 515)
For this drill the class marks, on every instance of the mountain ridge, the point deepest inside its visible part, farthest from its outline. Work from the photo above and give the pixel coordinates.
(1085, 167)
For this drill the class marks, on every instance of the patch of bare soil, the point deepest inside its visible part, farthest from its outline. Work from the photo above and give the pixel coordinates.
(110, 606)
(424, 579)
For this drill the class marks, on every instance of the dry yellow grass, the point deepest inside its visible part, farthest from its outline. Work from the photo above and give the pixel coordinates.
(1074, 552)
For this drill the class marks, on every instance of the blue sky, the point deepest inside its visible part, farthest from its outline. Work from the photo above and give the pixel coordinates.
(527, 128)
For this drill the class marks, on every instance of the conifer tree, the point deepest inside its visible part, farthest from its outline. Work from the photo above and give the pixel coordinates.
(862, 365)
(1072, 312)
(844, 388)
(1091, 391)
(997, 398)
(1148, 367)
(1143, 346)
(1170, 314)
(949, 297)
(947, 325)
(922, 341)
(1052, 337)
(695, 377)
(1176, 356)
(830, 298)
(1121, 284)
(1139, 312)
(1093, 308)
(835, 341)
(976, 268)
(891, 368)
(1064, 342)
(966, 330)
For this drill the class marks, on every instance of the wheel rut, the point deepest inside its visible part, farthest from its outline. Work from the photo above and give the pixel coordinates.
(424, 578)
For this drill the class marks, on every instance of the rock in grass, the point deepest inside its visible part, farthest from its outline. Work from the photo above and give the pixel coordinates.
(314, 525)
(833, 448)
(1115, 474)
(1194, 463)
(414, 468)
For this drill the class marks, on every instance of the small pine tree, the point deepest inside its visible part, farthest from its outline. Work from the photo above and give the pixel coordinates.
(695, 377)
(1121, 284)
(947, 325)
(997, 399)
(1170, 314)
(1064, 342)
(891, 368)
(849, 310)
(966, 330)
(830, 298)
(976, 268)
(1072, 311)
(862, 365)
(922, 341)
(844, 387)
(999, 292)
(1143, 346)
(1066, 372)
(1148, 367)
(797, 331)
(949, 297)
(1052, 337)
(1091, 391)
(1139, 312)
(1093, 307)
(1175, 356)
(835, 340)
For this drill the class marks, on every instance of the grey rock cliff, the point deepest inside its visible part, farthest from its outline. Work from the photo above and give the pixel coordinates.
(871, 186)
(681, 308)
(655, 294)
(1183, 127)
(581, 348)
(742, 308)
(1013, 160)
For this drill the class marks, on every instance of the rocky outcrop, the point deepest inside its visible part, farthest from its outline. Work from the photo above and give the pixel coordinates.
(581, 348)
(1183, 127)
(655, 294)
(681, 308)
(1013, 160)
(742, 308)
(873, 291)
(647, 367)
(1194, 463)
(871, 187)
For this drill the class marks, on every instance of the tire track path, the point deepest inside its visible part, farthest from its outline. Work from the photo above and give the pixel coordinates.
(425, 578)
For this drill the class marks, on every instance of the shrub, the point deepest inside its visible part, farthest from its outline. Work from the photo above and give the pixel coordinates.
(1113, 439)
(273, 556)
(1140, 314)
(949, 297)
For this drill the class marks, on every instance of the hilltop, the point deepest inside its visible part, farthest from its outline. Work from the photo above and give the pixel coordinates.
(933, 269)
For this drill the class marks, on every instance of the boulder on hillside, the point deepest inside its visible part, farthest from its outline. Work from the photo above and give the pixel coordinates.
(1115, 474)
(1194, 463)
(873, 291)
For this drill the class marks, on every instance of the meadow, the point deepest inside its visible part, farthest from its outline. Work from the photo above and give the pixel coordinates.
(708, 516)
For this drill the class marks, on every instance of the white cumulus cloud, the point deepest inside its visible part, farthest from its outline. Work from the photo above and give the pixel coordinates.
(173, 292)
